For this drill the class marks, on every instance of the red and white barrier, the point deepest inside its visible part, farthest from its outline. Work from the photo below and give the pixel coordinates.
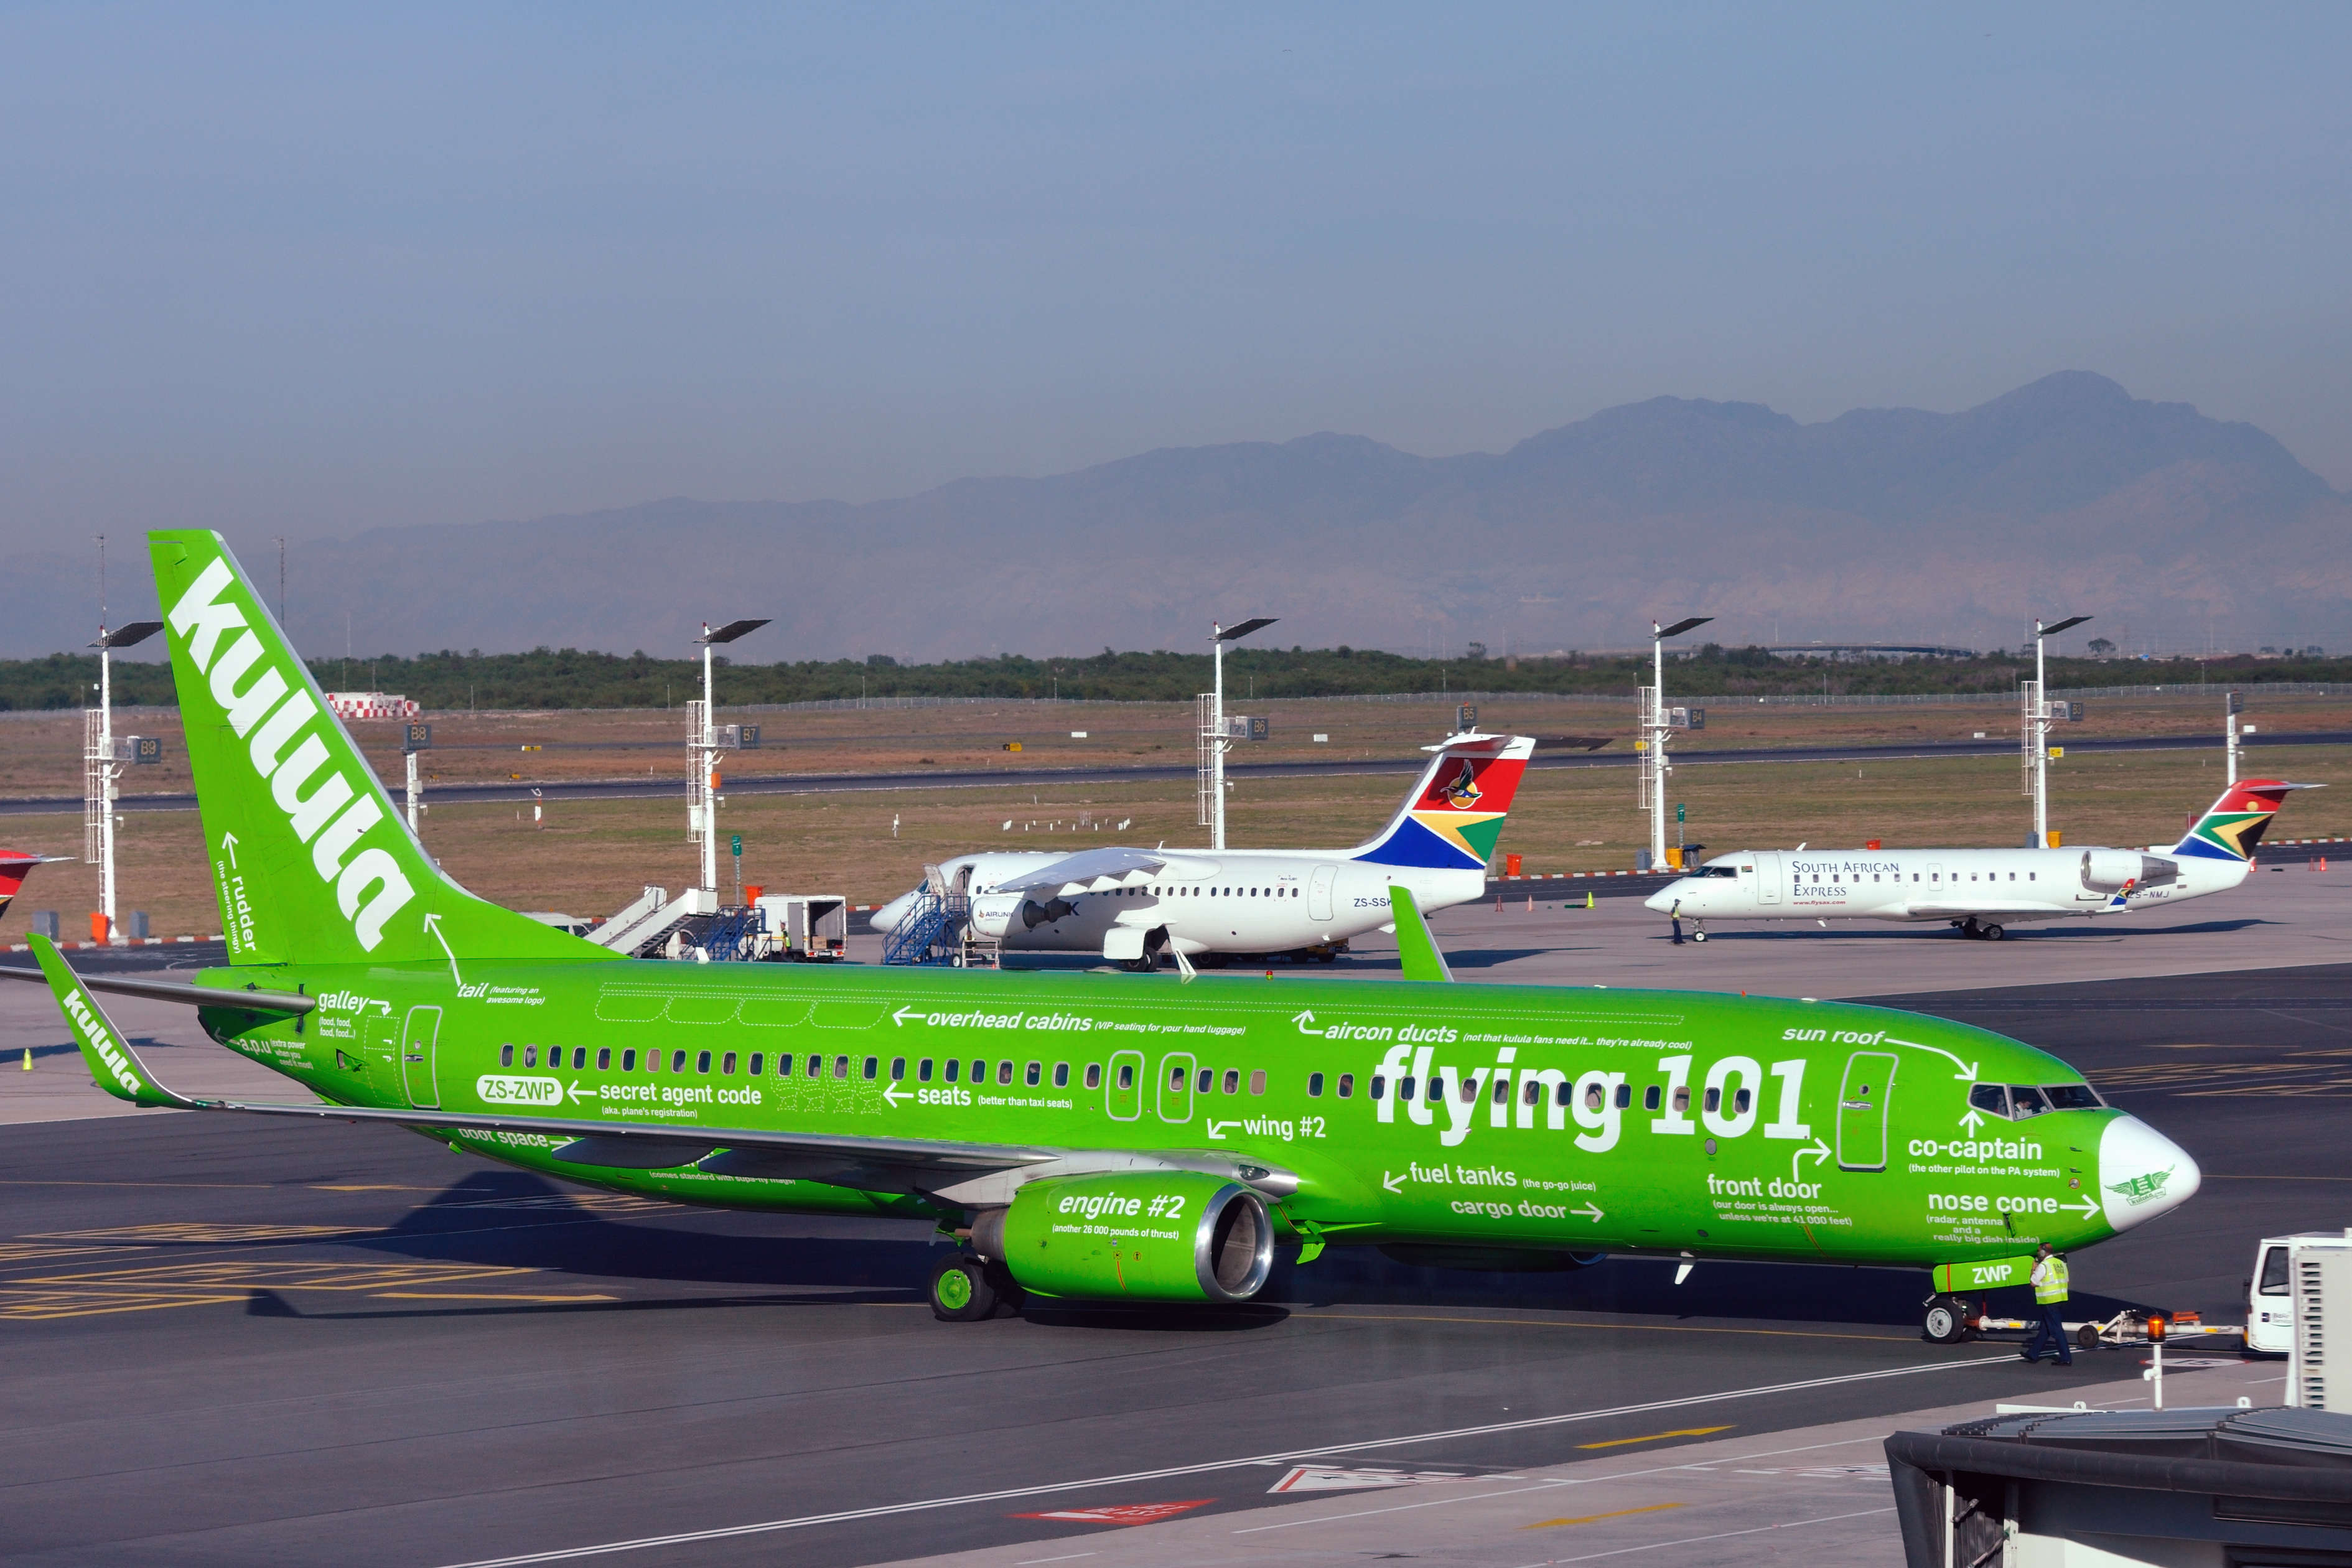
(372, 705)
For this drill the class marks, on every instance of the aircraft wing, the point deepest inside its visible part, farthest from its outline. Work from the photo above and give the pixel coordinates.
(1988, 911)
(1098, 870)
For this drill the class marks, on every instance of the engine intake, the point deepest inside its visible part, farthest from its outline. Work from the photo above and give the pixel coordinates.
(1141, 1235)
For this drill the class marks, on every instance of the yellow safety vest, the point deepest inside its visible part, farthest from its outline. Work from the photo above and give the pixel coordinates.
(2050, 1288)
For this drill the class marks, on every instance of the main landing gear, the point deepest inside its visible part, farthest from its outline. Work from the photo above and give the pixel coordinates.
(964, 1289)
(1969, 927)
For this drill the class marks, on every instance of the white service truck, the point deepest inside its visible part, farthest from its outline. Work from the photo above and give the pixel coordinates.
(2270, 1290)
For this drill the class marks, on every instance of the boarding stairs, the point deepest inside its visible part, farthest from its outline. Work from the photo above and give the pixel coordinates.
(642, 928)
(937, 931)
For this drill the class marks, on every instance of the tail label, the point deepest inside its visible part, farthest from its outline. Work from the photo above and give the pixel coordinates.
(370, 887)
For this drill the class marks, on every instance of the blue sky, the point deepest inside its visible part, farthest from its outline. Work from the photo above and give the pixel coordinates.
(313, 270)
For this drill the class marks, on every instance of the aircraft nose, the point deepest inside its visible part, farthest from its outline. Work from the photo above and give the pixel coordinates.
(886, 918)
(1664, 899)
(2142, 1174)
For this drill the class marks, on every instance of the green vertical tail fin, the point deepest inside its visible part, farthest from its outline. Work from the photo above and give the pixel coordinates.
(311, 863)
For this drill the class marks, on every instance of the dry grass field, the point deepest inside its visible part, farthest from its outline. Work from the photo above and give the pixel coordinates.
(589, 857)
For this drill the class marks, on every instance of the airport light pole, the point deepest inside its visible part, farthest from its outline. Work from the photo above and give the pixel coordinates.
(1657, 723)
(2037, 716)
(703, 748)
(101, 767)
(1213, 736)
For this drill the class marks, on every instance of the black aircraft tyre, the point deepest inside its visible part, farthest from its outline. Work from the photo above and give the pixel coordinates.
(1993, 933)
(962, 1290)
(1946, 1320)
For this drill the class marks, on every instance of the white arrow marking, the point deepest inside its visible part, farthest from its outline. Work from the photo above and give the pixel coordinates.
(1302, 1020)
(1591, 1210)
(902, 1015)
(228, 847)
(2090, 1207)
(578, 1094)
(433, 924)
(1390, 1181)
(1820, 1150)
(1968, 1069)
(894, 1094)
(1218, 1130)
(1973, 1120)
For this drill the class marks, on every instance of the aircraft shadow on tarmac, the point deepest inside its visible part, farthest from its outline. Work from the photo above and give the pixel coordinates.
(518, 1220)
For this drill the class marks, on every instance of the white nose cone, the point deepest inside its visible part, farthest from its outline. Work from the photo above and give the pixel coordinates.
(1664, 899)
(2142, 1174)
(886, 918)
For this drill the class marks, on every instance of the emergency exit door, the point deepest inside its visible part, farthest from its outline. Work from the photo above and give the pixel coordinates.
(1123, 1096)
(419, 1041)
(1863, 1099)
(1319, 892)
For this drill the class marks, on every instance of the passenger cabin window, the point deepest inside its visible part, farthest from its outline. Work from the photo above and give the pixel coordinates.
(758, 1060)
(1061, 1074)
(506, 1056)
(874, 1065)
(1714, 1100)
(702, 1061)
(1003, 1071)
(1208, 1076)
(531, 1055)
(677, 1061)
(815, 1065)
(1347, 1086)
(1094, 1075)
(923, 1071)
(1651, 1097)
(604, 1059)
(1126, 1075)
(897, 1069)
(952, 1066)
(1233, 1080)
(629, 1061)
(1314, 1086)
(1034, 1074)
(840, 1067)
(1624, 1096)
(1257, 1081)
(727, 1064)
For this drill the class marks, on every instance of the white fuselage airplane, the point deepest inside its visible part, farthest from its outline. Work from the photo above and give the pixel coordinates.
(1979, 891)
(1133, 905)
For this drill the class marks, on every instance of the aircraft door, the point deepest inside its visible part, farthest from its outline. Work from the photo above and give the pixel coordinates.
(1123, 1098)
(1319, 892)
(1863, 1099)
(1176, 1086)
(1768, 876)
(420, 1040)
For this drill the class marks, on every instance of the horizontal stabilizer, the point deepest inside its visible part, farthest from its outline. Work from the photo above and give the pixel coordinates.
(250, 998)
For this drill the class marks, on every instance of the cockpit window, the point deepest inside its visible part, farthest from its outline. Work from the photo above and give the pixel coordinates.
(2020, 1102)
(1731, 871)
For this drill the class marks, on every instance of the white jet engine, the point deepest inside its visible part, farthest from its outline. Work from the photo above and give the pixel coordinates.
(2109, 870)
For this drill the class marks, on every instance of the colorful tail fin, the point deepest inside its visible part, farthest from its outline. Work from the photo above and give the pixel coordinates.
(310, 860)
(14, 866)
(2234, 824)
(1456, 811)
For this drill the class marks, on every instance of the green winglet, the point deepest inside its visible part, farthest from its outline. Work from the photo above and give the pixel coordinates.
(112, 1066)
(1415, 946)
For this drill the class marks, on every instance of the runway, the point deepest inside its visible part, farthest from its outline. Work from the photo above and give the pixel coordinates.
(233, 1342)
(986, 778)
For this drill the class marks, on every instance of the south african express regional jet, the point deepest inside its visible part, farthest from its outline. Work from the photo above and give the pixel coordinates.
(1083, 1137)
(1981, 891)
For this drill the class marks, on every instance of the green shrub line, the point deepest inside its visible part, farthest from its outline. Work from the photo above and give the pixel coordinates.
(571, 679)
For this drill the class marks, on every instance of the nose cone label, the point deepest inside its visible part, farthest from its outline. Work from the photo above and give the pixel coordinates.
(2142, 1174)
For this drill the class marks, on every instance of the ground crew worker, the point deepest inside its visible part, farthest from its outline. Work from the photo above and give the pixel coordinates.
(1676, 915)
(2050, 1294)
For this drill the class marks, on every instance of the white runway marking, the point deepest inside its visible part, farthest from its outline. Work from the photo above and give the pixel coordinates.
(886, 1510)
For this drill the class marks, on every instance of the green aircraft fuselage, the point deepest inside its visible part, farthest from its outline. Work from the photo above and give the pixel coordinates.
(1580, 1120)
(1093, 1134)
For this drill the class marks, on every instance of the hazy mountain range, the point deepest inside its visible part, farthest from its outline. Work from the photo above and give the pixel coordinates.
(2067, 496)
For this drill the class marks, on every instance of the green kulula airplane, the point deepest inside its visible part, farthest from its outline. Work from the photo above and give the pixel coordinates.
(1086, 1136)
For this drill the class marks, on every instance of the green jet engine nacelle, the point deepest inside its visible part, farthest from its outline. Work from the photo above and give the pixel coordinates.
(1173, 1235)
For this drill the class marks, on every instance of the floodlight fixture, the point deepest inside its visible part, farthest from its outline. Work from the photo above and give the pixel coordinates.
(730, 631)
(1679, 628)
(1228, 633)
(2051, 631)
(123, 637)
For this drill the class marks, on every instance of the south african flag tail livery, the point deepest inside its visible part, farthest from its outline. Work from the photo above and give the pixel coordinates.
(1085, 1136)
